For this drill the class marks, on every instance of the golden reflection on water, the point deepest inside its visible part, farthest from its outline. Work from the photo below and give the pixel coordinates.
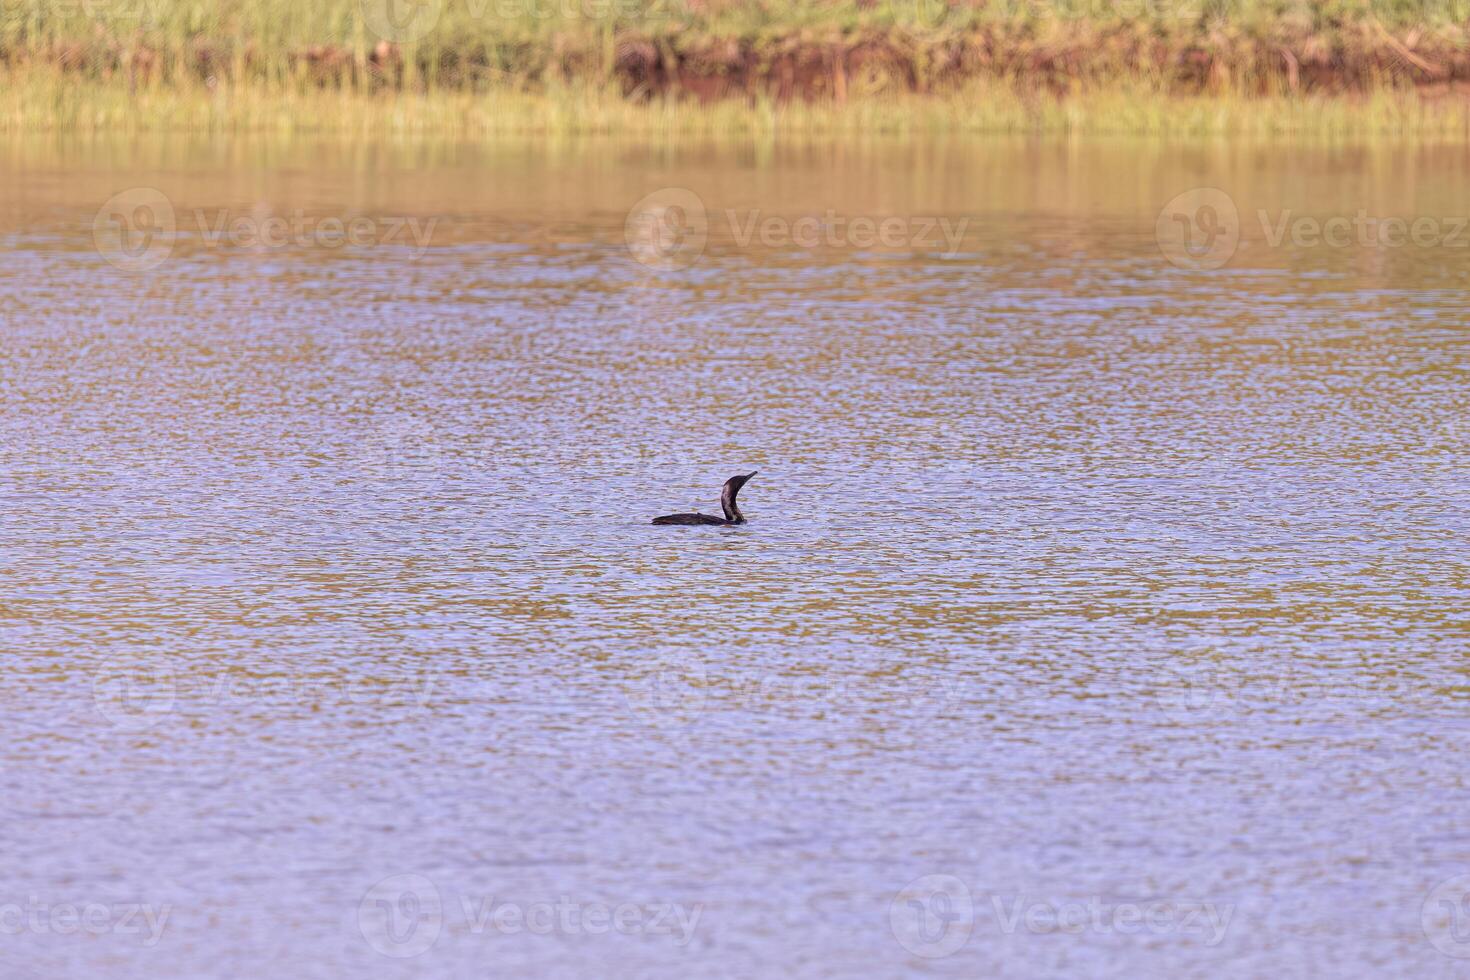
(1072, 572)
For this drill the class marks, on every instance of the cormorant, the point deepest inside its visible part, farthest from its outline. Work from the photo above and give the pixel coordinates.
(727, 501)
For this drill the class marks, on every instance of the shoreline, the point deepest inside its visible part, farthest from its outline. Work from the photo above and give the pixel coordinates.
(1342, 69)
(61, 104)
(845, 52)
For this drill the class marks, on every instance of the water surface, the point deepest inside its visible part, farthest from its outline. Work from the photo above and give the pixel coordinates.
(1097, 614)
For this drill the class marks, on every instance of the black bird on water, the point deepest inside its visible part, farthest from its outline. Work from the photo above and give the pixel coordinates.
(727, 501)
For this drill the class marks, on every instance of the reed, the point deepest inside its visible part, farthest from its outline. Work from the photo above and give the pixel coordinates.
(484, 67)
(40, 100)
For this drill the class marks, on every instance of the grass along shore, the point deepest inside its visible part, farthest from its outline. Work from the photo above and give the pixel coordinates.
(485, 67)
(59, 104)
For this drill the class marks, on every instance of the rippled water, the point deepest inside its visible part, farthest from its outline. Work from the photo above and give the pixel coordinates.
(1098, 614)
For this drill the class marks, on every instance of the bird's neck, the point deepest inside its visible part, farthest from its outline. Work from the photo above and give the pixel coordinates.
(732, 512)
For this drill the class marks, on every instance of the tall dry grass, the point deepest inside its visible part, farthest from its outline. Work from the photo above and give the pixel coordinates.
(490, 66)
(48, 100)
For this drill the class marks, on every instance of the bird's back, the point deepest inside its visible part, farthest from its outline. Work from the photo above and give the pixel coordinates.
(689, 519)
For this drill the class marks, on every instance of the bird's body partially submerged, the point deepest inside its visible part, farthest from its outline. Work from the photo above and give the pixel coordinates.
(695, 519)
(727, 503)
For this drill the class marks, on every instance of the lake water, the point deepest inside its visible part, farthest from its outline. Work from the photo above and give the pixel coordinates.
(1102, 608)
